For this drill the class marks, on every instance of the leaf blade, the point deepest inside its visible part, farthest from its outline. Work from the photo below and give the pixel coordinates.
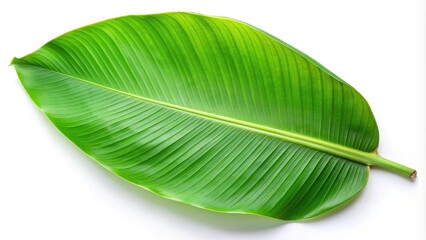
(129, 149)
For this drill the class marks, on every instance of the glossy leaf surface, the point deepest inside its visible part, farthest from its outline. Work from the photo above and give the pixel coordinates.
(207, 111)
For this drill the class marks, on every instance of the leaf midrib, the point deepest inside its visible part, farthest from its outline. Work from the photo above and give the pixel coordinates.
(317, 144)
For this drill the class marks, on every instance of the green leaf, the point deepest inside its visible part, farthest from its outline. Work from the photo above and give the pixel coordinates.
(208, 111)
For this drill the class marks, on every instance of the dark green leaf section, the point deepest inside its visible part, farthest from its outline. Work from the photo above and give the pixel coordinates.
(99, 85)
(192, 159)
(218, 66)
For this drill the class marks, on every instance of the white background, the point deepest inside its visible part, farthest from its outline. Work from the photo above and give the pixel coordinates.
(50, 190)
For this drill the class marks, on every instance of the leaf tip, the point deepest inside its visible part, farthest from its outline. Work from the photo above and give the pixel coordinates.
(14, 61)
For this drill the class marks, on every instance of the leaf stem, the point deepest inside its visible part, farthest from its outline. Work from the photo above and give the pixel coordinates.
(393, 166)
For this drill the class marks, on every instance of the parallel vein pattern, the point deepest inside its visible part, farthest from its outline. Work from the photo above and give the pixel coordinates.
(192, 159)
(217, 66)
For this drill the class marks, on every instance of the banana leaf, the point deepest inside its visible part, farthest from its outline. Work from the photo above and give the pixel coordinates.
(208, 111)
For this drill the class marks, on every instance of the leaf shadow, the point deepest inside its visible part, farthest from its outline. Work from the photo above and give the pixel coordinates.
(226, 221)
